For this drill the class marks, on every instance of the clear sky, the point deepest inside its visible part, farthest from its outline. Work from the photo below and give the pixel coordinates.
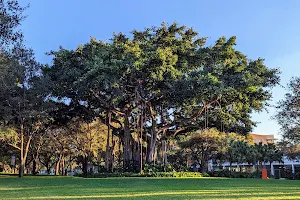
(264, 28)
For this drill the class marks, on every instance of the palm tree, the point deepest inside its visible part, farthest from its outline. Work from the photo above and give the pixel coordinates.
(237, 152)
(261, 154)
(273, 154)
(251, 155)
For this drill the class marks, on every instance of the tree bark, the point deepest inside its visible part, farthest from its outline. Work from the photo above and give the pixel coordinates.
(107, 152)
(22, 164)
(48, 169)
(204, 166)
(57, 168)
(151, 148)
(63, 166)
(111, 163)
(24, 152)
(35, 162)
(85, 166)
(34, 167)
(57, 165)
(127, 138)
(164, 150)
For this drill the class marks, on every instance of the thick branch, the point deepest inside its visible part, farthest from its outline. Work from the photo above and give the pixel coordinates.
(15, 146)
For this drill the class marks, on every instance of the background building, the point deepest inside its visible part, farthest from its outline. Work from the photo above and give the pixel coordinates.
(264, 139)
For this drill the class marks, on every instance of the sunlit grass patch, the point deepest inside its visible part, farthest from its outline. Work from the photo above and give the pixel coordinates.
(147, 188)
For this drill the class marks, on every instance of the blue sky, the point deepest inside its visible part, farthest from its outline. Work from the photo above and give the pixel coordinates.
(264, 28)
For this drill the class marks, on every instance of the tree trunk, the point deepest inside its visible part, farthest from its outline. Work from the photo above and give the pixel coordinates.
(57, 168)
(57, 165)
(24, 152)
(107, 152)
(34, 167)
(151, 148)
(270, 169)
(120, 151)
(48, 169)
(127, 138)
(35, 162)
(135, 156)
(204, 166)
(111, 166)
(22, 164)
(63, 166)
(204, 161)
(164, 150)
(85, 166)
(141, 139)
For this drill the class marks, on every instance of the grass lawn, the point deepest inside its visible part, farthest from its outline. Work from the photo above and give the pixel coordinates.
(146, 188)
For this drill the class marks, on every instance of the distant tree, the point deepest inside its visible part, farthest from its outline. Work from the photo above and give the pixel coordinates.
(236, 148)
(10, 19)
(22, 109)
(87, 140)
(47, 155)
(240, 149)
(288, 113)
(251, 155)
(204, 145)
(291, 150)
(21, 106)
(273, 153)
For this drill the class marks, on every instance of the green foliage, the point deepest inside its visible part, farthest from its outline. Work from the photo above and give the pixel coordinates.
(288, 113)
(208, 144)
(292, 151)
(156, 174)
(188, 174)
(174, 68)
(234, 174)
(10, 19)
(178, 160)
(148, 88)
(211, 144)
(149, 169)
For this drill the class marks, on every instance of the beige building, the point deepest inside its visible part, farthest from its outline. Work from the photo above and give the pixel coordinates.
(264, 139)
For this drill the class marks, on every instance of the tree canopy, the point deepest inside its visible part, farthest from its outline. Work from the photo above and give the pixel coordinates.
(159, 83)
(142, 91)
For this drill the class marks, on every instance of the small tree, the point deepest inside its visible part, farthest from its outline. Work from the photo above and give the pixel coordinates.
(251, 155)
(273, 154)
(204, 145)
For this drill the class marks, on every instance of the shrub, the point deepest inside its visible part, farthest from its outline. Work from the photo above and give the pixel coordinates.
(297, 176)
(206, 175)
(287, 173)
(233, 174)
(152, 174)
(222, 173)
(158, 168)
(187, 174)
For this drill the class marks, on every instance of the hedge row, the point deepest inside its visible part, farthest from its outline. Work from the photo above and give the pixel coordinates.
(233, 174)
(156, 174)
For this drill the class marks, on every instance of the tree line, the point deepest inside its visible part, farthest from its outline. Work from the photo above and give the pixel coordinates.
(220, 147)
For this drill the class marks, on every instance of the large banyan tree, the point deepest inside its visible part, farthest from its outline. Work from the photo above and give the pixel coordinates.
(157, 84)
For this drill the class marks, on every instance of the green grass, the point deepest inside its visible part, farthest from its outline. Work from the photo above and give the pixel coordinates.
(146, 188)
